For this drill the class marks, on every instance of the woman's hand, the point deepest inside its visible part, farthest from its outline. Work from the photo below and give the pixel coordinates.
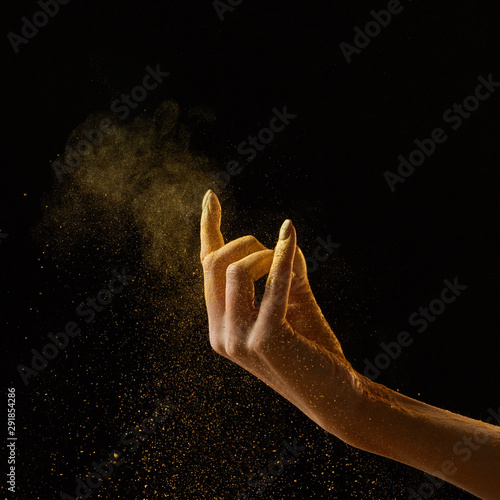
(286, 342)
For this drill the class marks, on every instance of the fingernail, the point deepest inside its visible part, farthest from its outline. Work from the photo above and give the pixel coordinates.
(286, 229)
(206, 198)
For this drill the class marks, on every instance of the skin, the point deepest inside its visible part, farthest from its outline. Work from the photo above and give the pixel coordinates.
(288, 344)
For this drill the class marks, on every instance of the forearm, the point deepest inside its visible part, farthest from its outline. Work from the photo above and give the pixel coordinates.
(457, 449)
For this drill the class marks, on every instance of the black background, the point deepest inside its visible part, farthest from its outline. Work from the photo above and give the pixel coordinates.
(324, 171)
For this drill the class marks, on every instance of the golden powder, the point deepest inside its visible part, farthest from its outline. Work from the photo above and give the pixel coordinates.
(134, 201)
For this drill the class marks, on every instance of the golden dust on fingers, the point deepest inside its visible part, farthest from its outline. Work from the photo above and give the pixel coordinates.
(241, 277)
(211, 236)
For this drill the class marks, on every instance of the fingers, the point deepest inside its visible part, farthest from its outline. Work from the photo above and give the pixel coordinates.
(211, 237)
(300, 291)
(275, 300)
(215, 266)
(240, 278)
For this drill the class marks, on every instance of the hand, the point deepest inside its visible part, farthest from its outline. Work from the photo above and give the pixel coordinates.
(286, 342)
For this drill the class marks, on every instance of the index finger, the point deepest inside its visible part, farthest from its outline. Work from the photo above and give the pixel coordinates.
(211, 237)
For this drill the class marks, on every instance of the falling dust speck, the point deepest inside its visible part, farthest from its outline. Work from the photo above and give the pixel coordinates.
(134, 202)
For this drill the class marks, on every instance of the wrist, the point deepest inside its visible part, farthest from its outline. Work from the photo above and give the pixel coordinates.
(349, 404)
(369, 410)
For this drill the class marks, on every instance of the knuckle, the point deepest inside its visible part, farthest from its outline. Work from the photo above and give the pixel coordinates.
(235, 272)
(209, 261)
(251, 241)
(217, 344)
(256, 345)
(235, 348)
(278, 290)
(214, 264)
